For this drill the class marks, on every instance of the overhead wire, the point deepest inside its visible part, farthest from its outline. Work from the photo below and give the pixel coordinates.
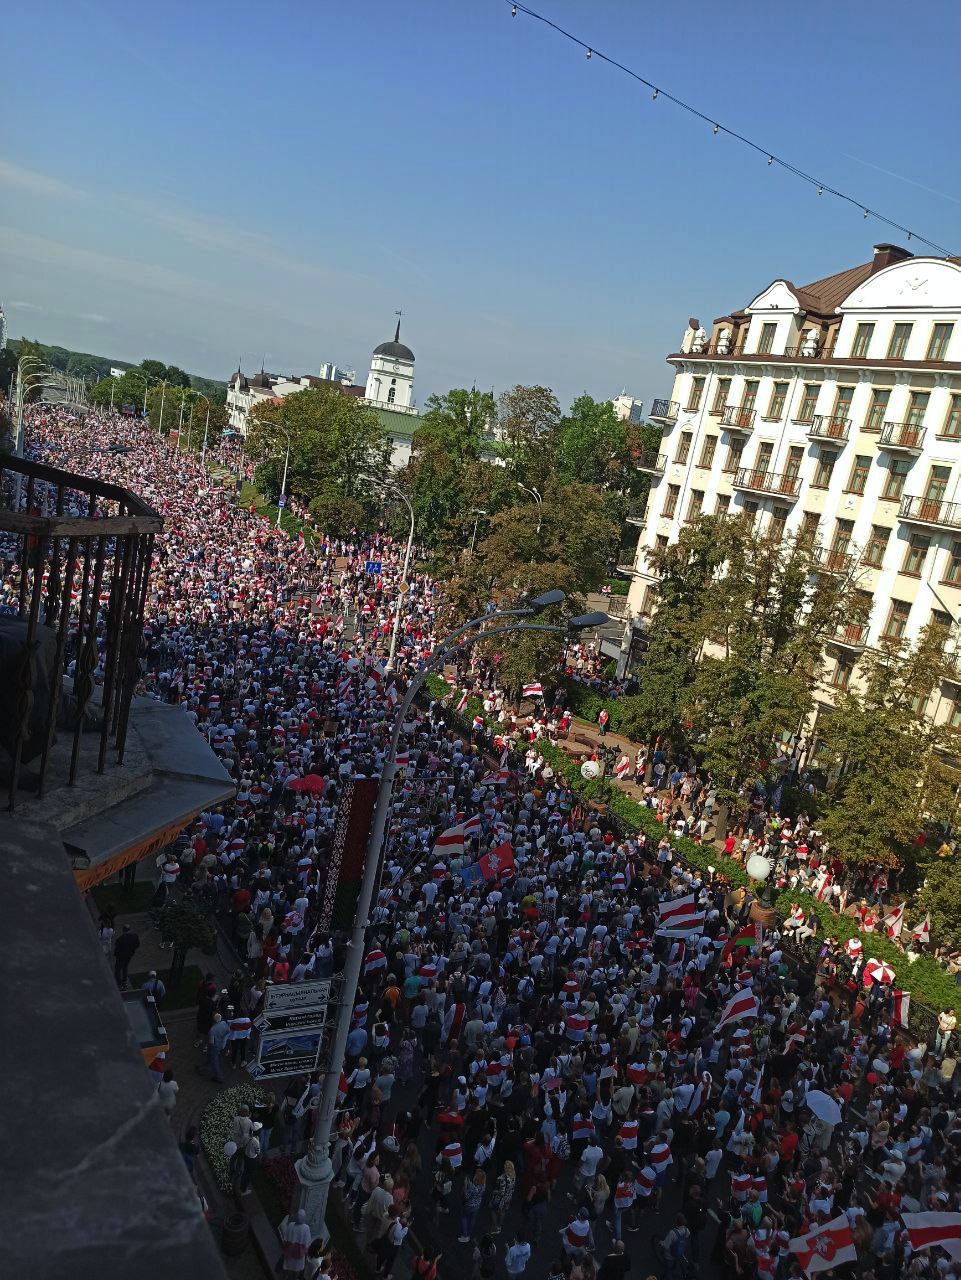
(772, 157)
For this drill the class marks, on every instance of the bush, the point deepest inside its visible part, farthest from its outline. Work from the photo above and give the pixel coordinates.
(216, 1125)
(266, 480)
(337, 514)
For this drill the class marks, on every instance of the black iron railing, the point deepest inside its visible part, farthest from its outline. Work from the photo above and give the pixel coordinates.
(666, 409)
(76, 565)
(946, 515)
(762, 481)
(902, 435)
(655, 462)
(826, 427)
(738, 419)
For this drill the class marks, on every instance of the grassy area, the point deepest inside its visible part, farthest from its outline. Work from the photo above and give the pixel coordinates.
(181, 996)
(125, 901)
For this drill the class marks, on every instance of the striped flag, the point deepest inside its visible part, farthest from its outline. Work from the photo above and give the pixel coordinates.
(743, 1004)
(402, 759)
(450, 842)
(681, 926)
(899, 1014)
(532, 691)
(922, 932)
(463, 701)
(826, 1246)
(927, 1230)
(472, 826)
(821, 884)
(392, 696)
(678, 905)
(701, 1094)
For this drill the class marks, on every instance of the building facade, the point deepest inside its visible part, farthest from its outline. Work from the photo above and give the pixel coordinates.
(628, 408)
(390, 382)
(830, 410)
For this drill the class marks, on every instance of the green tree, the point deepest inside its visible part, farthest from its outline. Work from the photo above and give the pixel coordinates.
(155, 369)
(940, 898)
(334, 441)
(183, 925)
(887, 751)
(176, 377)
(527, 424)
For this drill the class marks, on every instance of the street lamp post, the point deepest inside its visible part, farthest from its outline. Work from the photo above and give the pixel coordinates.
(282, 498)
(540, 503)
(476, 512)
(180, 424)
(395, 630)
(314, 1170)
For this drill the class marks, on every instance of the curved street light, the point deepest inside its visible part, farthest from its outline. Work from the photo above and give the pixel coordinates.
(314, 1170)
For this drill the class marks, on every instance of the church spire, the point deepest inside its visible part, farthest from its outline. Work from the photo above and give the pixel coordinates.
(398, 314)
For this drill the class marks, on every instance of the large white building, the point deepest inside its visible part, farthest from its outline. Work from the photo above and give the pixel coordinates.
(390, 382)
(831, 409)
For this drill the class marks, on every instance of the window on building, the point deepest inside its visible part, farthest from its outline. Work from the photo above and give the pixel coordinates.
(777, 523)
(842, 404)
(952, 420)
(792, 464)
(708, 449)
(954, 715)
(952, 570)
(661, 541)
(843, 532)
(723, 504)
(749, 396)
(670, 502)
(858, 479)
(750, 508)
(897, 622)
(697, 391)
(809, 401)
(915, 555)
(916, 407)
(391, 393)
(937, 486)
(808, 531)
(940, 337)
(720, 395)
(862, 340)
(765, 343)
(733, 459)
(762, 459)
(941, 620)
(893, 488)
(876, 546)
(899, 341)
(695, 504)
(877, 409)
(919, 704)
(775, 408)
(683, 448)
(824, 468)
(841, 673)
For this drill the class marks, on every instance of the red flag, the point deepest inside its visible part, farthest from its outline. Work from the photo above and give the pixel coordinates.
(497, 861)
(825, 1247)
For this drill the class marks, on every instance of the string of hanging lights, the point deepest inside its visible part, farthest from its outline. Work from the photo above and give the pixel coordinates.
(716, 128)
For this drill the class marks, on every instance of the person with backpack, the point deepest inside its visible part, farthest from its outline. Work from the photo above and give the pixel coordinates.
(674, 1247)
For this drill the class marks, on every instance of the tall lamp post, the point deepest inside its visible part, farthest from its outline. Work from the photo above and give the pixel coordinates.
(399, 493)
(282, 498)
(476, 512)
(538, 498)
(314, 1170)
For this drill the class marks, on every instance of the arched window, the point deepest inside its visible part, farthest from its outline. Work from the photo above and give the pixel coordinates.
(390, 395)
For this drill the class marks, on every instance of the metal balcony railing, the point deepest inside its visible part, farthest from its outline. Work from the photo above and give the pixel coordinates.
(901, 435)
(932, 511)
(852, 636)
(738, 419)
(834, 560)
(653, 462)
(636, 513)
(824, 427)
(666, 410)
(78, 554)
(761, 481)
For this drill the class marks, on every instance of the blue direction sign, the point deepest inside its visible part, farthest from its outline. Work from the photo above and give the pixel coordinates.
(372, 566)
(282, 500)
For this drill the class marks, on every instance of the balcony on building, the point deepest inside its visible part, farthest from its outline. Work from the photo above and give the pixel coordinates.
(931, 512)
(851, 635)
(769, 482)
(834, 560)
(828, 427)
(653, 463)
(737, 419)
(901, 437)
(665, 411)
(636, 513)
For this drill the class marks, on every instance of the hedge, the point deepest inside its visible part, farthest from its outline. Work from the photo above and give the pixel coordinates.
(216, 1126)
(586, 703)
(927, 982)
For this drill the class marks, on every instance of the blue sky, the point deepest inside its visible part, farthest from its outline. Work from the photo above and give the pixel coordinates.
(203, 182)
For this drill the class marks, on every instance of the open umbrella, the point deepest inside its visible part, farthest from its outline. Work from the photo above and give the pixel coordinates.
(823, 1106)
(877, 971)
(310, 782)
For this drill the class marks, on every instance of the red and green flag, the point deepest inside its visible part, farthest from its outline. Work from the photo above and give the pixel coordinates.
(747, 937)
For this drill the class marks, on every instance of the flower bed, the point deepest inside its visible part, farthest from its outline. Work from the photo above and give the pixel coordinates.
(924, 978)
(216, 1125)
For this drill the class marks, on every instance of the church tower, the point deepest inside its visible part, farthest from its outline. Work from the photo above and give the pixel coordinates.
(390, 383)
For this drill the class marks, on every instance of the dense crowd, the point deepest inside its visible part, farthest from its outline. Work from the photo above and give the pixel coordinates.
(551, 1015)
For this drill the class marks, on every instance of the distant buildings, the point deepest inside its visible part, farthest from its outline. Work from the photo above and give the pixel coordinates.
(628, 408)
(3, 330)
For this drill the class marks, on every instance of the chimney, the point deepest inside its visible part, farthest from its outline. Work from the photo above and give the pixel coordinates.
(886, 254)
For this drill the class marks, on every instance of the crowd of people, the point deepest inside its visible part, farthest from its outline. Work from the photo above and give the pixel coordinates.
(579, 1052)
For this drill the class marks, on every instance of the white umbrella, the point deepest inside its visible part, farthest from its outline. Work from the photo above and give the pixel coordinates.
(823, 1106)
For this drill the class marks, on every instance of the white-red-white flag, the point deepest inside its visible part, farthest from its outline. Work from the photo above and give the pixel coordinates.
(821, 884)
(825, 1247)
(677, 906)
(450, 842)
(532, 691)
(462, 703)
(894, 922)
(922, 932)
(925, 1230)
(899, 1013)
(743, 1004)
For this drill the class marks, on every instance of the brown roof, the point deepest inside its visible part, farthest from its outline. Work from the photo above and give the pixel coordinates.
(826, 295)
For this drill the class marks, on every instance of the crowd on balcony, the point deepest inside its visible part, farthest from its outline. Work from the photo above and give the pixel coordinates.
(584, 1055)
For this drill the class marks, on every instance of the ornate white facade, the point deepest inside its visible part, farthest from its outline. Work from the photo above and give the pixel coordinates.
(832, 408)
(390, 382)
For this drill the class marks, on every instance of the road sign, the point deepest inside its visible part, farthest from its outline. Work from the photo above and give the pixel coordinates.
(287, 1053)
(306, 1019)
(282, 500)
(403, 586)
(297, 997)
(372, 566)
